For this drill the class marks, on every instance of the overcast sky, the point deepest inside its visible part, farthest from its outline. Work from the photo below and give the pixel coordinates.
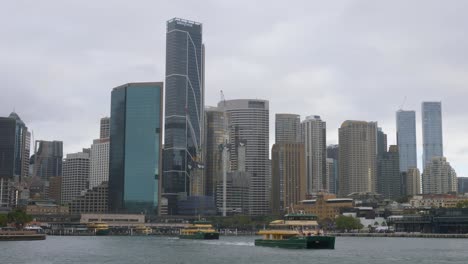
(59, 60)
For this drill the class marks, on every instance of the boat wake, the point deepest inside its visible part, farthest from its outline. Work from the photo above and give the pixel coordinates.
(227, 243)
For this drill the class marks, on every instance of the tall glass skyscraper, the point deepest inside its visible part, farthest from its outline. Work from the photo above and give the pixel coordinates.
(406, 139)
(432, 131)
(184, 112)
(135, 148)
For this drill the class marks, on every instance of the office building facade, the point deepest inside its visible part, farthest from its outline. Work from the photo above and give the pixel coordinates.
(439, 177)
(249, 130)
(315, 138)
(432, 131)
(406, 139)
(75, 177)
(389, 182)
(413, 182)
(287, 128)
(99, 171)
(104, 131)
(135, 147)
(48, 157)
(184, 109)
(357, 157)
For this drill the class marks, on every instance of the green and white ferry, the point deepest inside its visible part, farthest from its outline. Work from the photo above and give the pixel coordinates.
(296, 231)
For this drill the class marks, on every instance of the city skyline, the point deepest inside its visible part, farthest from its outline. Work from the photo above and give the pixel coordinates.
(313, 84)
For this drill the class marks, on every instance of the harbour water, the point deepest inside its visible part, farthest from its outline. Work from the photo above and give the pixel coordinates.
(231, 249)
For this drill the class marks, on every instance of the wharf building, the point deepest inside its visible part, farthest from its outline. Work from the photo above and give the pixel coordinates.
(325, 206)
(439, 177)
(314, 138)
(184, 111)
(249, 128)
(75, 177)
(135, 147)
(357, 157)
(432, 131)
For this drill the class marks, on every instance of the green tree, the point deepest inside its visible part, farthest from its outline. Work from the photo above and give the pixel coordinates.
(348, 223)
(19, 218)
(462, 204)
(3, 220)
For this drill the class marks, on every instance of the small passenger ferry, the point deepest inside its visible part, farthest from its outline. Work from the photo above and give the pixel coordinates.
(199, 230)
(99, 228)
(296, 231)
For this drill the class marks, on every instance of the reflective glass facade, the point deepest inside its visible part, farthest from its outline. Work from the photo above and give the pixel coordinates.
(406, 139)
(184, 112)
(432, 131)
(7, 147)
(135, 148)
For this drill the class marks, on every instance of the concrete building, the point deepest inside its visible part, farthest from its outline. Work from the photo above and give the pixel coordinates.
(287, 128)
(99, 170)
(432, 131)
(184, 109)
(406, 139)
(75, 177)
(288, 181)
(55, 189)
(439, 177)
(135, 147)
(114, 219)
(357, 157)
(389, 183)
(104, 131)
(413, 181)
(95, 200)
(248, 125)
(436, 200)
(315, 138)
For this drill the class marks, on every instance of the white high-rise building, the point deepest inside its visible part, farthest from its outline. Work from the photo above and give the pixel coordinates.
(249, 127)
(439, 177)
(315, 138)
(99, 162)
(75, 178)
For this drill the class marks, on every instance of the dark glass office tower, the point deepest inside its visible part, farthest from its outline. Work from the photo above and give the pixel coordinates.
(7, 148)
(135, 147)
(184, 113)
(48, 158)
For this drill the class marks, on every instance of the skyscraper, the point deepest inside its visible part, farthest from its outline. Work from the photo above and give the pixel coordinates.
(48, 159)
(135, 147)
(248, 126)
(217, 134)
(315, 138)
(389, 180)
(184, 109)
(432, 131)
(288, 176)
(332, 170)
(358, 157)
(287, 128)
(99, 162)
(413, 181)
(333, 152)
(406, 139)
(105, 128)
(75, 177)
(439, 177)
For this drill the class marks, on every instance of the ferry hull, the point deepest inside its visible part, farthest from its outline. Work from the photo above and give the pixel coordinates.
(103, 232)
(201, 235)
(313, 242)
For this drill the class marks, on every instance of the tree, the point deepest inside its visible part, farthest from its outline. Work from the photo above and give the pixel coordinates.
(3, 220)
(19, 218)
(462, 204)
(348, 223)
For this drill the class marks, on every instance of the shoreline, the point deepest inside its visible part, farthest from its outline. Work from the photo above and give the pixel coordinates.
(409, 235)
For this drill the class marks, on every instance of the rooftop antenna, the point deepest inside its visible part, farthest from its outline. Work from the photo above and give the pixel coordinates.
(403, 103)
